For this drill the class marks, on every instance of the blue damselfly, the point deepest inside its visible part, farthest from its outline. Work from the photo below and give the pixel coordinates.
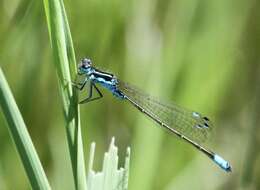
(188, 125)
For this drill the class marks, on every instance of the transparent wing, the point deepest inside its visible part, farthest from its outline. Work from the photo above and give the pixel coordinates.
(189, 123)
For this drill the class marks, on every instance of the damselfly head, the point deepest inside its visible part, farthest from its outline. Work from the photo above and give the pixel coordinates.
(84, 65)
(85, 62)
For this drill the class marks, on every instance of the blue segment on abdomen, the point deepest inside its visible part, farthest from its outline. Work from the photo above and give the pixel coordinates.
(221, 162)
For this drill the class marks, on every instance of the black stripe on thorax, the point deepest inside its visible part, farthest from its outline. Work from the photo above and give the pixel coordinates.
(102, 74)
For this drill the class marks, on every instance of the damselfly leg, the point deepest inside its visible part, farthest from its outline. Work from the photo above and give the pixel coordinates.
(90, 98)
(79, 85)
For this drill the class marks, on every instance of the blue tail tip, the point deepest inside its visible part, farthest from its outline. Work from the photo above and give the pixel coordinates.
(222, 163)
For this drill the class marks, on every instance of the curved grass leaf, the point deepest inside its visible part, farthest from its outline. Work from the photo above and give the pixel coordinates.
(21, 137)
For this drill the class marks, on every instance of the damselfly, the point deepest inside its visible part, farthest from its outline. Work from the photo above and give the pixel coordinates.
(188, 125)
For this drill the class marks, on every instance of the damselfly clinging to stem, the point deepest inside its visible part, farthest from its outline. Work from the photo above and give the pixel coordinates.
(188, 125)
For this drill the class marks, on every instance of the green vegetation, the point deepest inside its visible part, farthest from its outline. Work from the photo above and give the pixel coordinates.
(111, 177)
(66, 66)
(21, 137)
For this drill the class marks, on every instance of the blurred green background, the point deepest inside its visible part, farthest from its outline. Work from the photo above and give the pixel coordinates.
(203, 55)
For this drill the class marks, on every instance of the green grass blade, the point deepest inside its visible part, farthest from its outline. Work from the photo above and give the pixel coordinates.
(66, 68)
(110, 178)
(21, 137)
